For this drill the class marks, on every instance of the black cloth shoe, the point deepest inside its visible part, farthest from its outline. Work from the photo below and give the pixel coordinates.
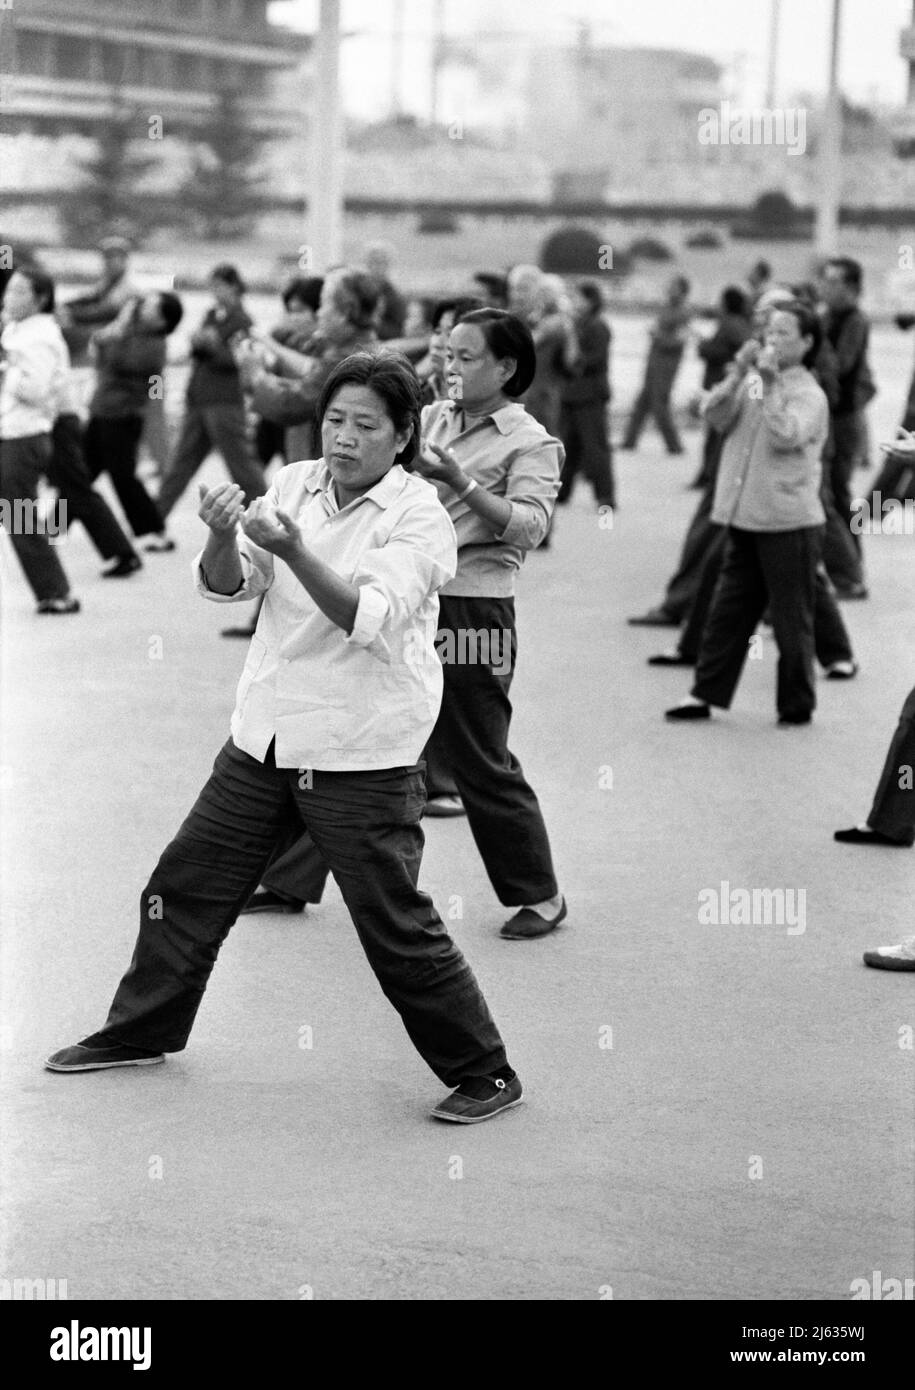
(268, 901)
(851, 591)
(527, 924)
(160, 545)
(655, 617)
(84, 1058)
(122, 566)
(688, 712)
(857, 836)
(58, 605)
(671, 659)
(237, 632)
(479, 1098)
(788, 720)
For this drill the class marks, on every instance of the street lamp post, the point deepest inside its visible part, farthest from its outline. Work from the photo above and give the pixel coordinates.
(830, 153)
(325, 195)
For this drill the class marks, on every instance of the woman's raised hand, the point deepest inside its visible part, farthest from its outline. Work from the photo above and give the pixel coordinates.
(221, 507)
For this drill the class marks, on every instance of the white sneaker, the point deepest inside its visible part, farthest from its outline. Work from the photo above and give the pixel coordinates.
(899, 957)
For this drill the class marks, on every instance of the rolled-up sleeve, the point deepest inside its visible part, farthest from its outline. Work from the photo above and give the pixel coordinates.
(395, 579)
(531, 488)
(792, 419)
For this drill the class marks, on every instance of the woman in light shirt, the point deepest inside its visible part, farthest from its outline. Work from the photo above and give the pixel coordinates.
(333, 709)
(34, 364)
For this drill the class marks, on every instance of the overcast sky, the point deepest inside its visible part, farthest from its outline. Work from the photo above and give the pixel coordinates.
(733, 31)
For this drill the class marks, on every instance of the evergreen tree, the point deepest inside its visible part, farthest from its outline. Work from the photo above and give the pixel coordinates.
(108, 196)
(225, 190)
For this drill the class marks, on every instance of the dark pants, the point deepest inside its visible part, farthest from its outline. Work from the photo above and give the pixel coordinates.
(654, 400)
(777, 568)
(69, 473)
(893, 811)
(682, 588)
(114, 446)
(207, 427)
(23, 462)
(470, 739)
(583, 430)
(842, 544)
(830, 635)
(712, 444)
(366, 825)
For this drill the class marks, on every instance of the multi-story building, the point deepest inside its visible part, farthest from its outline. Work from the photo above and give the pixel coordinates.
(67, 64)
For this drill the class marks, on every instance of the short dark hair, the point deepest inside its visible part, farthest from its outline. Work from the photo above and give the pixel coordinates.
(507, 336)
(734, 300)
(592, 293)
(229, 275)
(304, 287)
(42, 285)
(682, 283)
(762, 268)
(458, 305)
(852, 273)
(356, 294)
(391, 376)
(808, 322)
(171, 309)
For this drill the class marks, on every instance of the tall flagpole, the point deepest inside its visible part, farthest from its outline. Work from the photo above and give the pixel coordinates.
(830, 153)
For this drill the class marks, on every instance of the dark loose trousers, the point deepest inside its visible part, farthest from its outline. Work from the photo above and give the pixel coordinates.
(23, 463)
(830, 635)
(777, 568)
(893, 811)
(366, 827)
(113, 445)
(207, 427)
(583, 430)
(471, 737)
(69, 473)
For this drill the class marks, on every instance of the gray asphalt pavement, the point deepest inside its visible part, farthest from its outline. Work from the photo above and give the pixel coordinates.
(712, 1111)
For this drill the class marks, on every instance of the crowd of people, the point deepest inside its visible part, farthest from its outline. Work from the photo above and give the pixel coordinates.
(391, 463)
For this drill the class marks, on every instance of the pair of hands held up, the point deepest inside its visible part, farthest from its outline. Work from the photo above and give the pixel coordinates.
(222, 509)
(753, 355)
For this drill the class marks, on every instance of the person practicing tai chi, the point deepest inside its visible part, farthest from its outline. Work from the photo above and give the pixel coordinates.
(332, 712)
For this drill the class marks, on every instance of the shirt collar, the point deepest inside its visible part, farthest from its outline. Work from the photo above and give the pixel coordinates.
(506, 419)
(384, 492)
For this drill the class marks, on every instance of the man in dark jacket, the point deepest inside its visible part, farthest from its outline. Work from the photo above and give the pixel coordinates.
(847, 329)
(668, 340)
(130, 362)
(717, 351)
(583, 419)
(215, 411)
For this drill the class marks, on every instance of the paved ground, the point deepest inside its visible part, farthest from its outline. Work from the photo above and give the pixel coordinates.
(749, 1131)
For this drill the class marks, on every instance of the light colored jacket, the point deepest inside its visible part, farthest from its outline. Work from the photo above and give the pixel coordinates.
(770, 471)
(36, 376)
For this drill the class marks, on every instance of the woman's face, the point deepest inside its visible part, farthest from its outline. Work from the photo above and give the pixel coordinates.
(19, 300)
(438, 342)
(226, 295)
(472, 374)
(783, 335)
(358, 438)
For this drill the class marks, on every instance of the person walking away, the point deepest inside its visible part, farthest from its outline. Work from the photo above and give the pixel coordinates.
(668, 340)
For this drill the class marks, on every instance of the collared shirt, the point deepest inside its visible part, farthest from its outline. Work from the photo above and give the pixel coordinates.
(770, 471)
(332, 701)
(511, 455)
(36, 376)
